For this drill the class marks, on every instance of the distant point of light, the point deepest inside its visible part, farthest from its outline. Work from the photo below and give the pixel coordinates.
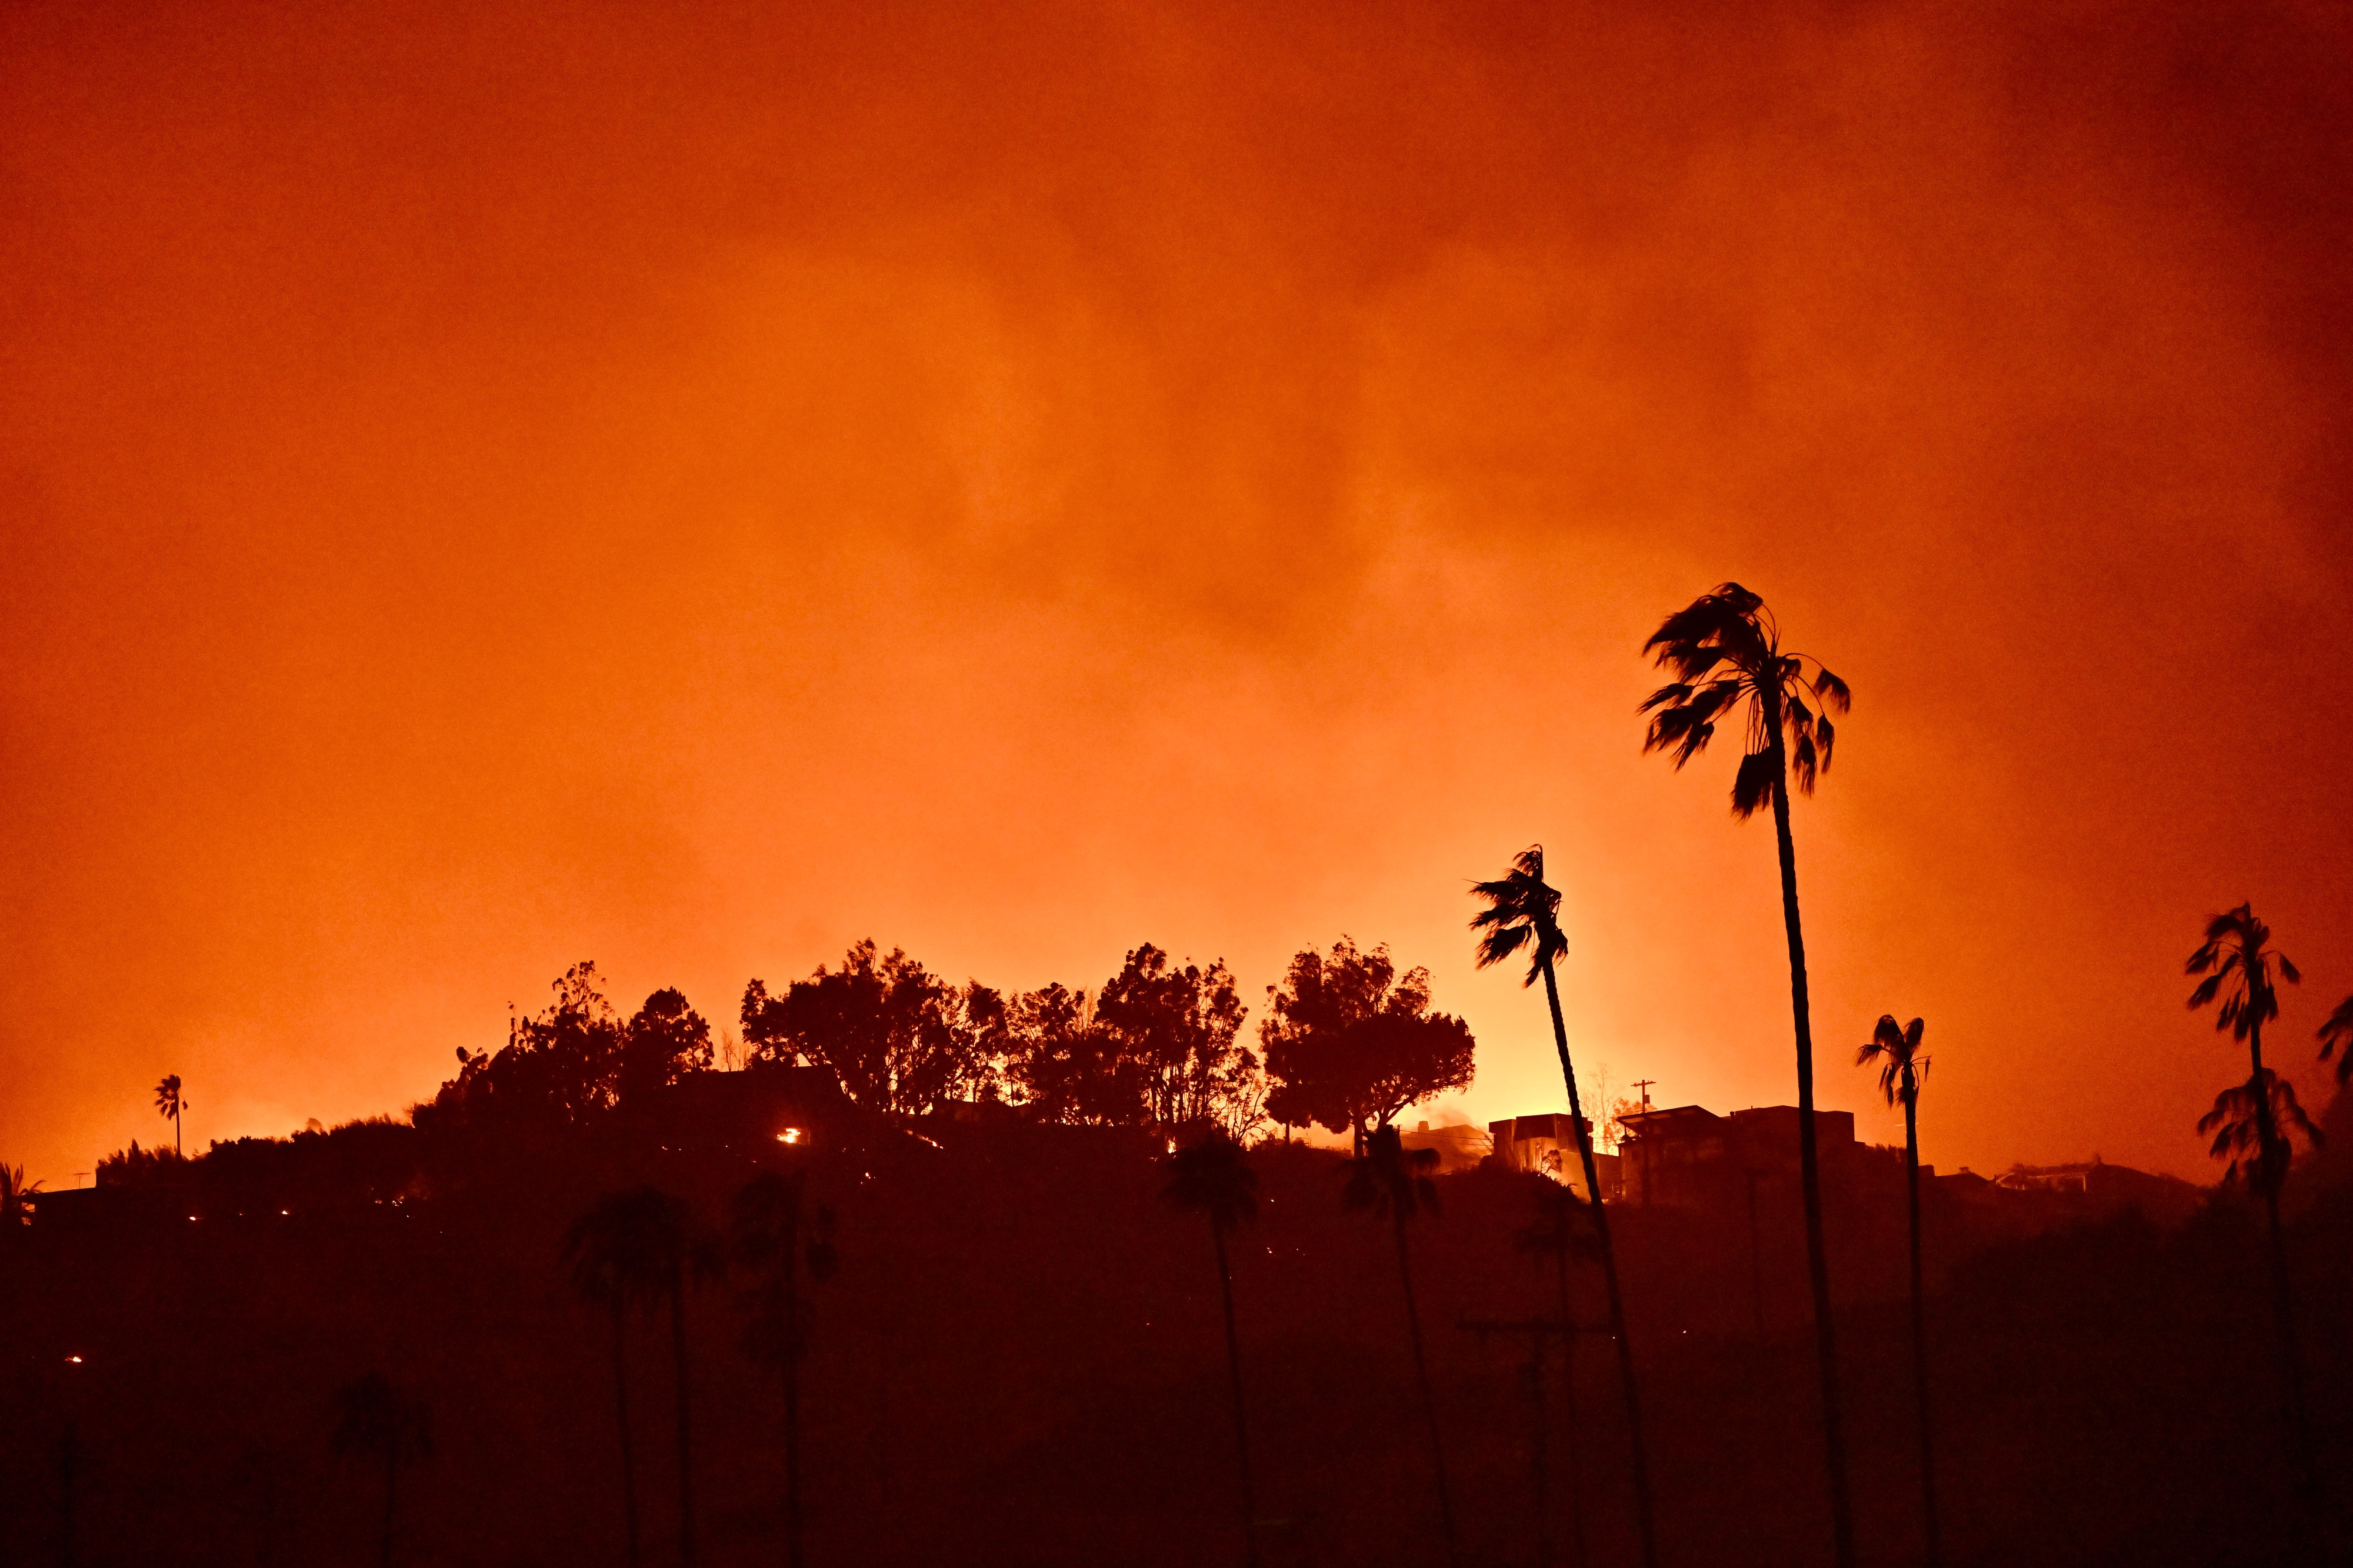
(789, 1135)
(73, 1360)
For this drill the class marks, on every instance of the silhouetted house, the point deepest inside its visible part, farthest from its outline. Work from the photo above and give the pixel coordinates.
(1547, 1145)
(1687, 1155)
(1459, 1145)
(2097, 1187)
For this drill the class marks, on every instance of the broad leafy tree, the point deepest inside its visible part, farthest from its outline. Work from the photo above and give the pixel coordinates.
(1063, 1067)
(1894, 1048)
(1724, 651)
(1523, 914)
(1393, 1181)
(1350, 1042)
(2243, 970)
(664, 1042)
(375, 1421)
(560, 1065)
(1209, 1177)
(782, 1242)
(883, 1025)
(1178, 1026)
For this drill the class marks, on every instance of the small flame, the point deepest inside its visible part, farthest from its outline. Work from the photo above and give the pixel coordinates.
(789, 1135)
(73, 1360)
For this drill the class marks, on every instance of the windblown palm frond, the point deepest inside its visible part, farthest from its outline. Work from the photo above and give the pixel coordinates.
(1210, 1177)
(1391, 1179)
(1896, 1048)
(1522, 911)
(2338, 1031)
(1724, 651)
(2255, 1144)
(2239, 968)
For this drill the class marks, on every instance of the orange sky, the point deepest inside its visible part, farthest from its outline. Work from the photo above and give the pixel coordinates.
(486, 486)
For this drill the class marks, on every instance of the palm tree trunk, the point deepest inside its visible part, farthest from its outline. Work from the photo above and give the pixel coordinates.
(1920, 1327)
(621, 1409)
(1810, 1175)
(1575, 1465)
(2291, 1360)
(1234, 1383)
(1638, 1451)
(685, 1424)
(792, 1400)
(391, 1484)
(1429, 1401)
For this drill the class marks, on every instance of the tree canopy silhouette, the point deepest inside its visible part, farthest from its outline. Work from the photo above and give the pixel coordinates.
(774, 1234)
(1724, 651)
(374, 1420)
(895, 1035)
(1390, 1179)
(1350, 1042)
(1209, 1177)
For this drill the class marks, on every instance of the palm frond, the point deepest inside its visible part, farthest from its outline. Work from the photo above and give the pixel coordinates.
(2338, 1031)
(1753, 786)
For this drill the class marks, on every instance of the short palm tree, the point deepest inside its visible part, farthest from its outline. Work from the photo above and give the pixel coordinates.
(2243, 970)
(18, 1198)
(374, 1420)
(1522, 912)
(774, 1233)
(1896, 1048)
(1562, 1230)
(1724, 651)
(633, 1249)
(1210, 1178)
(1389, 1179)
(169, 1104)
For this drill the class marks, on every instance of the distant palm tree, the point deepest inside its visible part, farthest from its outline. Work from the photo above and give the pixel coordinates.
(771, 1232)
(169, 1104)
(637, 1248)
(2338, 1031)
(1902, 1070)
(1523, 911)
(2239, 967)
(18, 1198)
(1723, 649)
(1389, 1179)
(1211, 1178)
(1563, 1231)
(375, 1421)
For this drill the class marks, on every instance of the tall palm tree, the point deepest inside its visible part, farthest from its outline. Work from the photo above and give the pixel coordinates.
(1389, 1179)
(638, 1247)
(1211, 1178)
(169, 1104)
(1724, 651)
(1523, 911)
(2240, 968)
(773, 1231)
(374, 1420)
(1902, 1070)
(1563, 1231)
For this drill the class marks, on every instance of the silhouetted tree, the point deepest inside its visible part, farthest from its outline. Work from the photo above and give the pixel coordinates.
(1178, 1025)
(18, 1198)
(1066, 1067)
(636, 1248)
(1725, 652)
(2243, 970)
(1210, 1178)
(1902, 1070)
(1563, 1231)
(1391, 1179)
(881, 1024)
(664, 1042)
(772, 1235)
(560, 1065)
(1523, 911)
(1350, 1043)
(169, 1104)
(2338, 1031)
(374, 1420)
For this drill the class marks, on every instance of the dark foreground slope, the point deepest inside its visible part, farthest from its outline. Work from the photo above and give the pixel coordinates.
(1021, 1361)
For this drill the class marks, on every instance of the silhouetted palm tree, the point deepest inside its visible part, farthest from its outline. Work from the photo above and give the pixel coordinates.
(1725, 651)
(1563, 1231)
(638, 1247)
(1902, 1068)
(374, 1420)
(2338, 1031)
(1211, 1178)
(18, 1198)
(772, 1233)
(1523, 911)
(1389, 1179)
(2241, 969)
(169, 1104)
